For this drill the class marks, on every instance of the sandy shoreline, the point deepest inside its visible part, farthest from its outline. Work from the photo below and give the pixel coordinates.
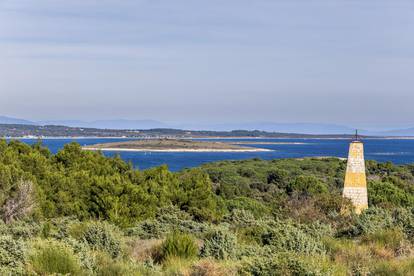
(177, 150)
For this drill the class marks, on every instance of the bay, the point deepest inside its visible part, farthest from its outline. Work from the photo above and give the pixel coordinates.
(398, 151)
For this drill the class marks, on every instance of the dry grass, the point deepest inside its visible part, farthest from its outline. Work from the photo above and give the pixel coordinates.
(144, 250)
(178, 266)
(209, 267)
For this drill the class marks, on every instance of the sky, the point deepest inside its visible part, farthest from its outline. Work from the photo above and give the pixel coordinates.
(344, 62)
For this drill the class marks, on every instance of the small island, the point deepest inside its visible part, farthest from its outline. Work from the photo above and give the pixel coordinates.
(171, 145)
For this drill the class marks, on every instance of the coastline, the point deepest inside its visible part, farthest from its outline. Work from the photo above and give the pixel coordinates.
(266, 143)
(177, 150)
(209, 137)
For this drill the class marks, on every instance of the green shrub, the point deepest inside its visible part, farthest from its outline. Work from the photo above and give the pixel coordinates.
(12, 255)
(256, 208)
(221, 245)
(372, 220)
(388, 238)
(289, 264)
(240, 217)
(278, 177)
(286, 236)
(20, 229)
(405, 219)
(58, 228)
(102, 236)
(178, 245)
(308, 185)
(106, 266)
(51, 256)
(385, 193)
(317, 230)
(87, 258)
(168, 219)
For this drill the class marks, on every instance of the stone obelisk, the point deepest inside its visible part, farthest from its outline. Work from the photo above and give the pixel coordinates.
(355, 186)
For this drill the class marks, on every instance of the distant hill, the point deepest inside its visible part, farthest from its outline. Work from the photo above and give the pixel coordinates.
(109, 124)
(270, 127)
(19, 130)
(10, 120)
(305, 128)
(399, 132)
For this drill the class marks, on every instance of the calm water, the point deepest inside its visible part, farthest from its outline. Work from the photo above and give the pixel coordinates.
(396, 150)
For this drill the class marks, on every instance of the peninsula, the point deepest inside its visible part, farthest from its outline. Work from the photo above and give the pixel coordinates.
(172, 145)
(48, 131)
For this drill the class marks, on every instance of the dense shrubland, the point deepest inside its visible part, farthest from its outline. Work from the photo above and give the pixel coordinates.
(81, 213)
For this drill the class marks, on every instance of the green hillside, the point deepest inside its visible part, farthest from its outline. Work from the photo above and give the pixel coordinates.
(80, 213)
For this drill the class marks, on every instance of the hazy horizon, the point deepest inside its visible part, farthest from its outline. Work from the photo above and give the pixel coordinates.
(335, 62)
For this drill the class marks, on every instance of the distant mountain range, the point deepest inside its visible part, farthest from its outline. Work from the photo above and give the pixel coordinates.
(105, 124)
(11, 121)
(110, 124)
(303, 128)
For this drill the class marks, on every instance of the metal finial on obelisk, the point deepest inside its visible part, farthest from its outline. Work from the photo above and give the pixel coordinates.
(355, 185)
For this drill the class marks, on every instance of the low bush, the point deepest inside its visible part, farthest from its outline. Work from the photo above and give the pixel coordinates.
(102, 236)
(373, 220)
(404, 218)
(12, 256)
(168, 219)
(307, 185)
(178, 245)
(289, 264)
(286, 236)
(118, 267)
(86, 256)
(388, 194)
(20, 229)
(221, 245)
(51, 256)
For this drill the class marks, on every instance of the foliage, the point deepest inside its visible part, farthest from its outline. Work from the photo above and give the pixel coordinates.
(284, 235)
(221, 245)
(373, 219)
(394, 268)
(102, 236)
(178, 245)
(90, 214)
(20, 229)
(51, 256)
(288, 264)
(383, 193)
(88, 185)
(167, 220)
(12, 255)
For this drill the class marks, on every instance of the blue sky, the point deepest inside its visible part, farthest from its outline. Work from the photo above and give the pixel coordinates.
(348, 62)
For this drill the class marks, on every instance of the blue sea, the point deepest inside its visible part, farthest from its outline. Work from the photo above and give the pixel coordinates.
(398, 151)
